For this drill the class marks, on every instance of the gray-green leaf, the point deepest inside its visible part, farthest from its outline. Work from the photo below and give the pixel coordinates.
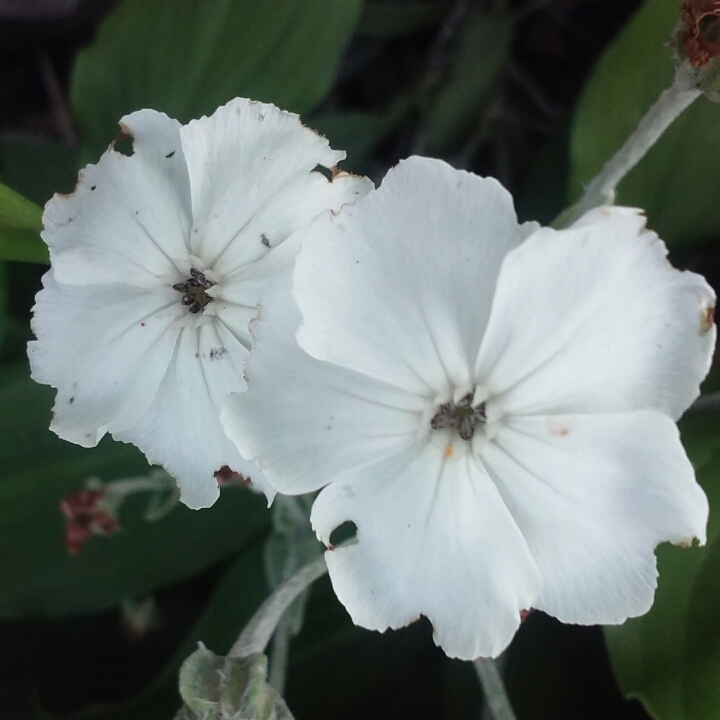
(219, 688)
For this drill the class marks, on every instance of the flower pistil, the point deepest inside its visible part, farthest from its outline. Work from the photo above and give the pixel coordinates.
(194, 291)
(462, 416)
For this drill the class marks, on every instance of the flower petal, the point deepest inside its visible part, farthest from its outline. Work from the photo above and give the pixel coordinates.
(399, 285)
(251, 173)
(181, 430)
(594, 319)
(237, 296)
(303, 421)
(129, 217)
(434, 538)
(594, 495)
(105, 348)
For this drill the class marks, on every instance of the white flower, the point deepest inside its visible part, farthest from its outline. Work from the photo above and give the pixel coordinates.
(491, 404)
(158, 260)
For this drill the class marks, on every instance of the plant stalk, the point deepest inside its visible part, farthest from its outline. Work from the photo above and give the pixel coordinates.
(601, 190)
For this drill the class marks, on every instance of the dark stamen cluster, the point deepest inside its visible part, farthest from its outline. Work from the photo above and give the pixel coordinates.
(193, 289)
(460, 416)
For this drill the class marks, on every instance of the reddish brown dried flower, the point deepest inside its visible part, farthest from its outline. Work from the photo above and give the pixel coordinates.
(85, 517)
(701, 30)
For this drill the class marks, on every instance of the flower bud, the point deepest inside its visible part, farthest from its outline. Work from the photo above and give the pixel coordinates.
(697, 46)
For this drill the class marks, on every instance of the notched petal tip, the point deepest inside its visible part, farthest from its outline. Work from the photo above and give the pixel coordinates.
(125, 132)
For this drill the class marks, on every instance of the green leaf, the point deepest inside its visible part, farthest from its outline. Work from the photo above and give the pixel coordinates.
(20, 225)
(35, 170)
(219, 688)
(478, 59)
(18, 212)
(187, 57)
(37, 575)
(38, 169)
(386, 20)
(676, 183)
(22, 245)
(670, 658)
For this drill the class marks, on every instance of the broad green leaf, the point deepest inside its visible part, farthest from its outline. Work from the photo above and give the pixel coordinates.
(677, 181)
(187, 57)
(670, 657)
(701, 672)
(18, 212)
(238, 595)
(480, 55)
(3, 302)
(22, 245)
(38, 169)
(37, 575)
(20, 225)
(387, 20)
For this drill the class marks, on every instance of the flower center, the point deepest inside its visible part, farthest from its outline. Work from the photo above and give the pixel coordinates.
(460, 416)
(194, 290)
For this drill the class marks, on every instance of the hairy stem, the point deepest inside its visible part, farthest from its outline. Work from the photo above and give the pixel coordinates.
(658, 118)
(257, 633)
(494, 689)
(279, 655)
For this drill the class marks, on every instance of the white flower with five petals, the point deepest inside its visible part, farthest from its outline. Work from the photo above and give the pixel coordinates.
(158, 260)
(491, 404)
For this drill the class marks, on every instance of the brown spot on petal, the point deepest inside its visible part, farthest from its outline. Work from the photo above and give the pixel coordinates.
(686, 543)
(701, 30)
(559, 425)
(707, 318)
(524, 614)
(449, 451)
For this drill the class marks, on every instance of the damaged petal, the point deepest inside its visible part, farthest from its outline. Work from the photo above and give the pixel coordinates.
(707, 318)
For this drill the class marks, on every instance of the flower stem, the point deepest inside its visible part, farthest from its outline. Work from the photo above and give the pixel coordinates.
(132, 486)
(277, 671)
(257, 633)
(494, 689)
(659, 117)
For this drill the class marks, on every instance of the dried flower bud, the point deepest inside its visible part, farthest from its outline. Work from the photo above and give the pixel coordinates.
(85, 516)
(697, 47)
(700, 31)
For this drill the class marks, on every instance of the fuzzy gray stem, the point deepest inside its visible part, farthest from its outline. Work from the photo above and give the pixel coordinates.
(257, 633)
(277, 671)
(494, 689)
(658, 118)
